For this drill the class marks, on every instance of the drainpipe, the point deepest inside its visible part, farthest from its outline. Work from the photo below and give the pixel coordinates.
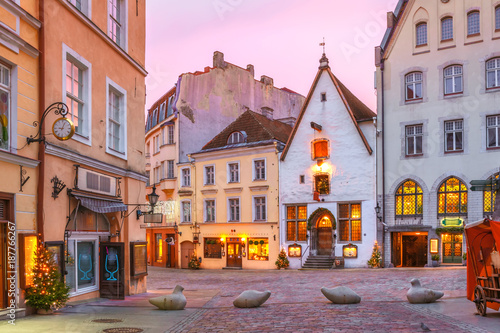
(383, 156)
(41, 108)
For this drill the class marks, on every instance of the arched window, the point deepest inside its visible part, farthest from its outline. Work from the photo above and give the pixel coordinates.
(409, 199)
(320, 149)
(493, 73)
(473, 27)
(421, 31)
(453, 79)
(413, 86)
(89, 221)
(447, 28)
(236, 137)
(489, 199)
(452, 197)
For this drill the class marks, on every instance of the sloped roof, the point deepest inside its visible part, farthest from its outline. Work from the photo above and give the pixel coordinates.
(389, 33)
(258, 129)
(357, 110)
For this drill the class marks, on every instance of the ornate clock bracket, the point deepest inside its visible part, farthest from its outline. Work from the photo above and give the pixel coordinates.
(59, 108)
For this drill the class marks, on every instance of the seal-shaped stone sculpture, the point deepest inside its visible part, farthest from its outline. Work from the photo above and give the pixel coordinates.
(174, 301)
(341, 295)
(251, 298)
(416, 294)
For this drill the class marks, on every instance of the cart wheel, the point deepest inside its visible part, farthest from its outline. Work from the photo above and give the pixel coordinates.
(480, 300)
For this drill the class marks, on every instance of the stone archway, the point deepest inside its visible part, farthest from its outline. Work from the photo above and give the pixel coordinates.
(322, 225)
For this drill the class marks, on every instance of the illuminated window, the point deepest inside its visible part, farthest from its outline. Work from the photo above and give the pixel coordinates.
(447, 28)
(489, 200)
(421, 31)
(320, 149)
(236, 137)
(493, 73)
(409, 199)
(212, 248)
(453, 78)
(322, 183)
(349, 217)
(296, 220)
(158, 248)
(452, 197)
(473, 23)
(258, 249)
(414, 86)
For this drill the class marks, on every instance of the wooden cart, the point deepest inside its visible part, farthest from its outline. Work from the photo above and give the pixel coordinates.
(483, 264)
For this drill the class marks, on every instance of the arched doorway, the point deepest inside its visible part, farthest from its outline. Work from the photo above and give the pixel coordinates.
(187, 250)
(322, 225)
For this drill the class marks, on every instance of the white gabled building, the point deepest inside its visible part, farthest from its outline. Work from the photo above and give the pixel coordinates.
(327, 177)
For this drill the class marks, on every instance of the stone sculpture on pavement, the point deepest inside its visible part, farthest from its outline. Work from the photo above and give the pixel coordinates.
(416, 294)
(251, 298)
(341, 295)
(174, 301)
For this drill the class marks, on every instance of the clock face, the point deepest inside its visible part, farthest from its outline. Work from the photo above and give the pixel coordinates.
(63, 129)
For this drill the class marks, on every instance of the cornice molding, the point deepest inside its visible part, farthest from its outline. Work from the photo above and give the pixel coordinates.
(259, 188)
(11, 37)
(233, 190)
(19, 11)
(19, 160)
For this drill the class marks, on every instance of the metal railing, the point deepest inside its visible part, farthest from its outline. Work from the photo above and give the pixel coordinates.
(302, 256)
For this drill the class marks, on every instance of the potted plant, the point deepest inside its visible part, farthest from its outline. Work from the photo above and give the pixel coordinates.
(464, 259)
(435, 260)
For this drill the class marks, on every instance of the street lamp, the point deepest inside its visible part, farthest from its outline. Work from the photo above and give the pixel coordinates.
(377, 211)
(153, 200)
(176, 229)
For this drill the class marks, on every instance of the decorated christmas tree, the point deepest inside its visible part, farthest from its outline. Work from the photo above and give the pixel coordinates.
(376, 258)
(47, 291)
(194, 263)
(282, 261)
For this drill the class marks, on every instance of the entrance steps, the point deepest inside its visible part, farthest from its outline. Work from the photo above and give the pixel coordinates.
(318, 262)
(233, 268)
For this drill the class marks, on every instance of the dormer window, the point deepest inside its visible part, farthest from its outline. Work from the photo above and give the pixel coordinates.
(320, 149)
(236, 137)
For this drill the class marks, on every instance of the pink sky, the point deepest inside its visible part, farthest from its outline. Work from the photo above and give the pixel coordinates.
(279, 37)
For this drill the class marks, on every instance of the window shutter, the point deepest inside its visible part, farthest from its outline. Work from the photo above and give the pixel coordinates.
(321, 149)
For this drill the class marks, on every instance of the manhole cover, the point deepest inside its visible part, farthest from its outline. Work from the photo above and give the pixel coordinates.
(123, 330)
(107, 321)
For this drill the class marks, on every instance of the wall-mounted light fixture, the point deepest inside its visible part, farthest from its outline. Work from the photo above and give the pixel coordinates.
(377, 211)
(176, 229)
(153, 200)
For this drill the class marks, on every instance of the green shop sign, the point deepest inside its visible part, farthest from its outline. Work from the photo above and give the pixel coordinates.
(452, 222)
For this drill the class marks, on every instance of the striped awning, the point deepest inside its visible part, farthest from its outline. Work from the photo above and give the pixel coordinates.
(101, 205)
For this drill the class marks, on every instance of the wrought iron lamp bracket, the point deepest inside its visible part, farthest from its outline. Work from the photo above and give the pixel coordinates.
(58, 186)
(23, 179)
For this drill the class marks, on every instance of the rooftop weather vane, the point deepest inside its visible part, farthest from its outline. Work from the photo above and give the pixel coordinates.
(323, 44)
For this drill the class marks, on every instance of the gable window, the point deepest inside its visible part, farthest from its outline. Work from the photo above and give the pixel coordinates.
(409, 199)
(493, 131)
(259, 169)
(236, 137)
(421, 31)
(209, 175)
(497, 18)
(452, 197)
(493, 73)
(234, 209)
(320, 149)
(170, 169)
(323, 97)
(473, 23)
(5, 117)
(447, 29)
(163, 107)
(350, 222)
(413, 86)
(186, 177)
(259, 208)
(155, 118)
(210, 210)
(322, 183)
(186, 211)
(489, 199)
(170, 139)
(117, 118)
(296, 223)
(116, 21)
(233, 172)
(414, 137)
(454, 133)
(453, 79)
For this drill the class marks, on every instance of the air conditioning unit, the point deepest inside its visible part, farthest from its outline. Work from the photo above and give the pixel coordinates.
(96, 182)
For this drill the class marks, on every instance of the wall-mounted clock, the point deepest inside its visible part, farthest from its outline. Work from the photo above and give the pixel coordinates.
(63, 129)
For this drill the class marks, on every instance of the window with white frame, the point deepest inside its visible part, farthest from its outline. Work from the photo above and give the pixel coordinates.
(77, 87)
(155, 118)
(163, 108)
(209, 175)
(116, 21)
(117, 119)
(233, 172)
(5, 116)
(233, 209)
(414, 137)
(170, 139)
(414, 86)
(453, 79)
(493, 131)
(163, 140)
(473, 26)
(259, 169)
(81, 5)
(421, 31)
(497, 18)
(454, 133)
(162, 176)
(186, 177)
(259, 208)
(210, 210)
(170, 169)
(156, 143)
(156, 175)
(447, 28)
(493, 73)
(185, 211)
(236, 137)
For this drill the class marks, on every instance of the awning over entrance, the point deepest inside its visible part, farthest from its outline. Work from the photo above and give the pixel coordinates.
(101, 205)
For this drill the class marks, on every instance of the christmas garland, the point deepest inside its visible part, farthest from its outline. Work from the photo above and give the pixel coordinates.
(318, 212)
(439, 231)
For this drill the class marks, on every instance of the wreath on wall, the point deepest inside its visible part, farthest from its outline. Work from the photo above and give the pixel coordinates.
(439, 231)
(318, 212)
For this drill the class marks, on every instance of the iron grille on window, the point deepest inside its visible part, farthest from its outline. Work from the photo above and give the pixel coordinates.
(452, 197)
(489, 200)
(409, 199)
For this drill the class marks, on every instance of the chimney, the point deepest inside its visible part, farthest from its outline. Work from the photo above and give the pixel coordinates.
(289, 121)
(266, 80)
(219, 60)
(267, 112)
(391, 20)
(378, 56)
(251, 69)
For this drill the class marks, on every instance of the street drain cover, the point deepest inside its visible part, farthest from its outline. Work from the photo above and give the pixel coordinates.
(123, 330)
(107, 321)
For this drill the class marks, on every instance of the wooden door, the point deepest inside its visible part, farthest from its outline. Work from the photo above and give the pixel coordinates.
(414, 251)
(396, 248)
(325, 241)
(234, 258)
(3, 266)
(112, 272)
(187, 250)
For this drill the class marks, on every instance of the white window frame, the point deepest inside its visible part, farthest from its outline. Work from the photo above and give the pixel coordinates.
(162, 175)
(414, 136)
(156, 141)
(419, 34)
(186, 177)
(469, 26)
(205, 211)
(156, 175)
(414, 83)
(456, 72)
(11, 115)
(112, 87)
(123, 19)
(183, 217)
(170, 167)
(255, 209)
(205, 178)
(236, 137)
(229, 172)
(171, 134)
(229, 208)
(495, 69)
(68, 54)
(86, 7)
(162, 136)
(457, 127)
(254, 167)
(82, 237)
(446, 29)
(497, 18)
(163, 109)
(495, 126)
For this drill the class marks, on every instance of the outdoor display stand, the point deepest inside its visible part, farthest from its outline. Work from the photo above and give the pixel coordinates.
(111, 276)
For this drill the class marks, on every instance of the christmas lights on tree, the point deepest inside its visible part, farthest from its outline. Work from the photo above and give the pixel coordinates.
(282, 261)
(376, 258)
